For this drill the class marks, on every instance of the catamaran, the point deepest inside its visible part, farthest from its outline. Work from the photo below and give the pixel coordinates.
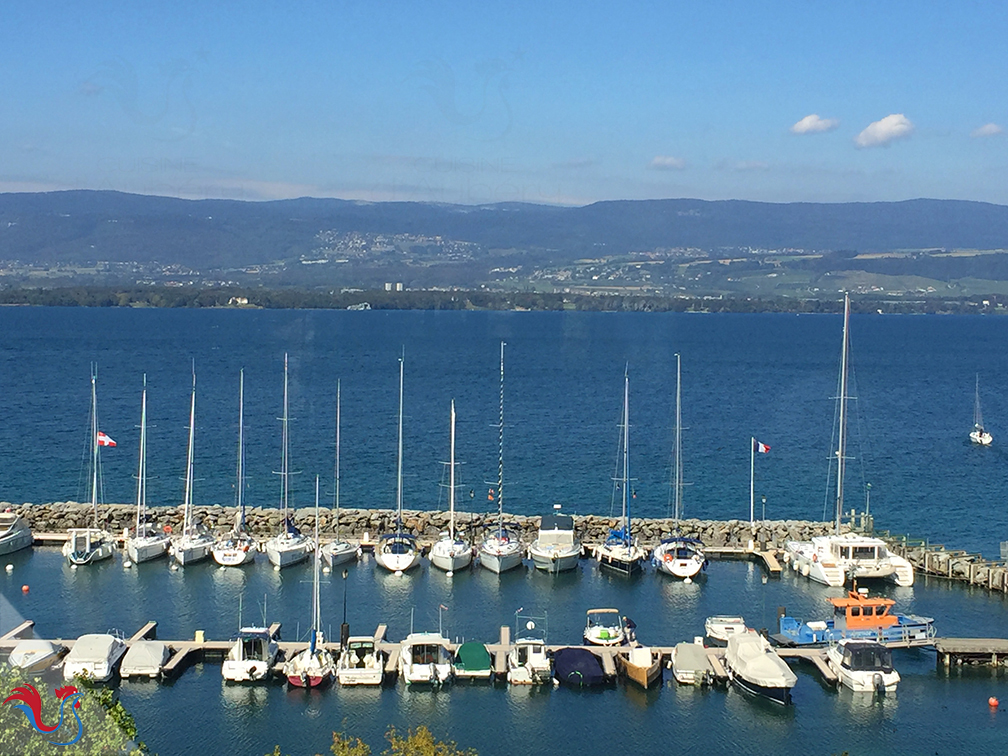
(620, 551)
(398, 551)
(978, 435)
(677, 555)
(237, 547)
(89, 545)
(501, 550)
(146, 543)
(338, 551)
(194, 543)
(834, 559)
(451, 553)
(289, 546)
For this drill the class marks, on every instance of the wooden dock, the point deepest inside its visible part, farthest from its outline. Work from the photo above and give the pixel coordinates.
(974, 651)
(935, 560)
(767, 559)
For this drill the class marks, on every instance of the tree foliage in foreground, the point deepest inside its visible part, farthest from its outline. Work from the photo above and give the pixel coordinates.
(418, 742)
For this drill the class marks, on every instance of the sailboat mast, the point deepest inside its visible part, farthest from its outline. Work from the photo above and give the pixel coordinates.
(626, 455)
(187, 523)
(142, 469)
(316, 609)
(94, 445)
(336, 473)
(500, 452)
(283, 461)
(842, 431)
(977, 416)
(399, 496)
(678, 440)
(240, 473)
(451, 477)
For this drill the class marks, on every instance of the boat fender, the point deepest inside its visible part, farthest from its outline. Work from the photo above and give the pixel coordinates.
(815, 557)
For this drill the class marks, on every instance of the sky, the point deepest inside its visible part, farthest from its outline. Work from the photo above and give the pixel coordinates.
(556, 102)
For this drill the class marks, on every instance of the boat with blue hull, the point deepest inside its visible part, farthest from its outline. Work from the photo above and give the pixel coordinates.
(858, 617)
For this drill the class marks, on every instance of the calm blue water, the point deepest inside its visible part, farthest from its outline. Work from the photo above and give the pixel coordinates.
(771, 376)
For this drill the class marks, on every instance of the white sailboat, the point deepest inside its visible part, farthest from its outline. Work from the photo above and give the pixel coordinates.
(501, 550)
(338, 551)
(834, 559)
(451, 553)
(620, 551)
(677, 555)
(978, 435)
(289, 546)
(397, 552)
(237, 547)
(194, 543)
(89, 545)
(146, 543)
(315, 665)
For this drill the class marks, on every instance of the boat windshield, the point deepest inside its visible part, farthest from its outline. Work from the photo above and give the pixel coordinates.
(868, 658)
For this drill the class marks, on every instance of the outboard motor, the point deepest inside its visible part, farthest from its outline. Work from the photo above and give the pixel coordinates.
(878, 684)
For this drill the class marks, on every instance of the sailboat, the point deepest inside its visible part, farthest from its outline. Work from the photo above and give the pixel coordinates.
(237, 547)
(87, 545)
(834, 559)
(314, 666)
(194, 543)
(289, 546)
(451, 553)
(677, 555)
(978, 435)
(338, 551)
(501, 550)
(620, 552)
(146, 543)
(398, 551)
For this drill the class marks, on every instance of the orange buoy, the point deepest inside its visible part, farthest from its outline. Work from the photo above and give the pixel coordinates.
(24, 589)
(992, 702)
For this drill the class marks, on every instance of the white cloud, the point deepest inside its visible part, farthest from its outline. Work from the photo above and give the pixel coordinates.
(988, 129)
(752, 165)
(880, 133)
(813, 124)
(668, 163)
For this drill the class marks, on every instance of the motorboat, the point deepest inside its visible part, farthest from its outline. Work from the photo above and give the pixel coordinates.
(15, 534)
(424, 658)
(237, 547)
(193, 544)
(251, 657)
(94, 656)
(144, 658)
(863, 666)
(397, 552)
(147, 542)
(34, 655)
(578, 668)
(721, 627)
(858, 616)
(338, 551)
(979, 435)
(528, 661)
(472, 662)
(756, 668)
(501, 550)
(290, 545)
(620, 551)
(93, 544)
(451, 553)
(641, 665)
(360, 663)
(691, 664)
(556, 548)
(605, 627)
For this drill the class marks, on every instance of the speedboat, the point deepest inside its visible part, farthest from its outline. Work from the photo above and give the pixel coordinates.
(863, 666)
(604, 627)
(14, 533)
(555, 549)
(425, 658)
(721, 627)
(528, 661)
(360, 663)
(577, 668)
(251, 657)
(451, 553)
(94, 656)
(472, 662)
(33, 655)
(757, 669)
(680, 557)
(642, 665)
(858, 616)
(691, 664)
(145, 658)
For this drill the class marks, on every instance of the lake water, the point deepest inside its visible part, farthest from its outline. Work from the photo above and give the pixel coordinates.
(768, 376)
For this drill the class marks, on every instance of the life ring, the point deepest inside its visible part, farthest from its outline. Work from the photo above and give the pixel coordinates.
(815, 557)
(167, 528)
(668, 557)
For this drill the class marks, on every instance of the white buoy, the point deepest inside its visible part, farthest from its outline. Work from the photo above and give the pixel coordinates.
(398, 573)
(127, 564)
(326, 570)
(276, 568)
(173, 566)
(73, 566)
(688, 581)
(9, 568)
(450, 573)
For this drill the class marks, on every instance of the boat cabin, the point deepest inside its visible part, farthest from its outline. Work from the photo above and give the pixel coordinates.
(358, 650)
(556, 530)
(867, 657)
(869, 550)
(859, 612)
(255, 644)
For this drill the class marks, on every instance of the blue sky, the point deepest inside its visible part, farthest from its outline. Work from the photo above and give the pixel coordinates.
(540, 102)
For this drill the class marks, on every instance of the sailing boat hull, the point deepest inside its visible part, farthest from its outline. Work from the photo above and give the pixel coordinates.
(283, 552)
(338, 552)
(234, 555)
(450, 556)
(83, 548)
(188, 550)
(981, 437)
(622, 560)
(501, 560)
(398, 562)
(147, 548)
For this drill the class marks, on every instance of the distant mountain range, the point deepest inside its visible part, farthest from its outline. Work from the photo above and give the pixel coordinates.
(82, 226)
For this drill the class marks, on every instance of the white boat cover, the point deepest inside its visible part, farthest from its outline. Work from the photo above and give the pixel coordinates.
(31, 651)
(145, 657)
(92, 649)
(751, 657)
(690, 657)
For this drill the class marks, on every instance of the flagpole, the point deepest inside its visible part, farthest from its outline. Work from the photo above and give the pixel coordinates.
(752, 472)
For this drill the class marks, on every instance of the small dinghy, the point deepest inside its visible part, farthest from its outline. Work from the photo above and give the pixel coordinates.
(720, 628)
(642, 665)
(577, 668)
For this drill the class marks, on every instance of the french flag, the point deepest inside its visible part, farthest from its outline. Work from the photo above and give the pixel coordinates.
(761, 447)
(106, 440)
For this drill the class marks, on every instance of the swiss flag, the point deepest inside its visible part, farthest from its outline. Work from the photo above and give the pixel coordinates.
(105, 440)
(760, 447)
